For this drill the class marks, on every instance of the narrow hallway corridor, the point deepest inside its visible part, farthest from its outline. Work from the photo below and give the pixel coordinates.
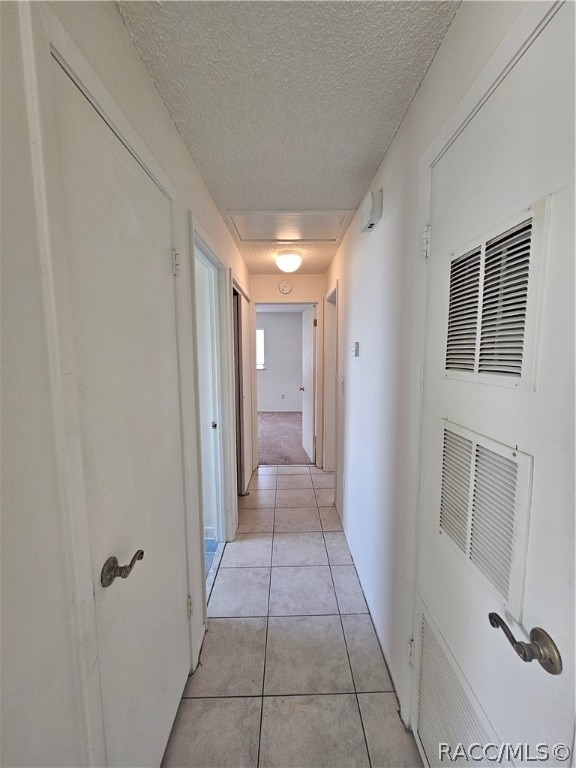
(291, 672)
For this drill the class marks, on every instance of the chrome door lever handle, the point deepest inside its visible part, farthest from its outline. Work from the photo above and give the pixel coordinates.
(540, 648)
(111, 570)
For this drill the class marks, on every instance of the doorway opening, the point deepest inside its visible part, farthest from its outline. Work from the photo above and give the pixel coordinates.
(207, 300)
(286, 383)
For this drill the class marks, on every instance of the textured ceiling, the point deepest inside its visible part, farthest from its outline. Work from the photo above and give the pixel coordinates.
(287, 105)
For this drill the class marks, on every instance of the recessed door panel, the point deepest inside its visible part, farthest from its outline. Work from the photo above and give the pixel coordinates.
(118, 229)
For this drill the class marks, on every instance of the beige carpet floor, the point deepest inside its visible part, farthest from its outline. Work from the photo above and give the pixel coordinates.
(280, 438)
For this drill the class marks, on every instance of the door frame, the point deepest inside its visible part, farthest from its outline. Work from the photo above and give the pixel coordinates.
(42, 38)
(244, 386)
(199, 239)
(331, 373)
(318, 372)
(524, 31)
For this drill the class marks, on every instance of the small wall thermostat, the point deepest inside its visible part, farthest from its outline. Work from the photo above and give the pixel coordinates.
(371, 211)
(355, 349)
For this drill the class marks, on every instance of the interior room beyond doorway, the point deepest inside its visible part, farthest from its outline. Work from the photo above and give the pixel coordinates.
(285, 345)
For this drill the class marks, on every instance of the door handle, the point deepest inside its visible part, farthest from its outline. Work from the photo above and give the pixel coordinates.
(540, 648)
(112, 570)
(301, 389)
(214, 425)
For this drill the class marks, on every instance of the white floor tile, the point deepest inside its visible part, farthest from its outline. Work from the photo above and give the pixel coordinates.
(389, 743)
(312, 732)
(330, 519)
(348, 589)
(299, 549)
(303, 497)
(323, 481)
(293, 482)
(338, 552)
(292, 469)
(232, 659)
(240, 592)
(263, 482)
(296, 519)
(302, 591)
(215, 732)
(366, 660)
(306, 655)
(257, 499)
(255, 520)
(324, 497)
(248, 550)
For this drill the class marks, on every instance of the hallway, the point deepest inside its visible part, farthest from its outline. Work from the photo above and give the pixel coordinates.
(413, 162)
(291, 672)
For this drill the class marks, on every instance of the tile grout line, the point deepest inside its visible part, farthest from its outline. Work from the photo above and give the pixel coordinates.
(262, 696)
(349, 661)
(281, 695)
(267, 628)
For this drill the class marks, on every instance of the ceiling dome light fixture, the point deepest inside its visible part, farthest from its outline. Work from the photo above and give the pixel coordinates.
(288, 262)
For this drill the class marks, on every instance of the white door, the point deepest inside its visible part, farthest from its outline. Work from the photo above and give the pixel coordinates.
(497, 492)
(118, 229)
(206, 296)
(243, 363)
(308, 381)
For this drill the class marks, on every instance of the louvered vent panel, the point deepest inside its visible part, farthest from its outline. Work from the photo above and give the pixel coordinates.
(493, 510)
(445, 711)
(456, 471)
(504, 301)
(463, 312)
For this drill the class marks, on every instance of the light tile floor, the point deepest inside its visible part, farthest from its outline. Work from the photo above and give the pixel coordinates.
(291, 672)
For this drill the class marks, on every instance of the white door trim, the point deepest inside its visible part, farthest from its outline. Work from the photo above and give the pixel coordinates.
(516, 42)
(36, 42)
(43, 37)
(226, 526)
(328, 372)
(244, 383)
(318, 301)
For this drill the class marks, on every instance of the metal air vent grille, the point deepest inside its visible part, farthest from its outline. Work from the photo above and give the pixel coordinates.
(456, 474)
(445, 710)
(505, 301)
(484, 508)
(463, 312)
(493, 509)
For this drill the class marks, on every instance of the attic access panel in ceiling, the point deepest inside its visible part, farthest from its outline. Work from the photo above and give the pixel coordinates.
(289, 226)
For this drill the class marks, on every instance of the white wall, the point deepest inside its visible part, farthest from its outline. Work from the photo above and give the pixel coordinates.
(41, 716)
(283, 360)
(98, 30)
(376, 306)
(264, 288)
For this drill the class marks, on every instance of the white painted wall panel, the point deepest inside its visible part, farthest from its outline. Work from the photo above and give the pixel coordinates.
(376, 307)
(283, 359)
(41, 710)
(264, 288)
(41, 721)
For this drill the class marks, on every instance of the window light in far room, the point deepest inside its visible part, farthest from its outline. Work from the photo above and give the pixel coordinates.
(288, 262)
(260, 350)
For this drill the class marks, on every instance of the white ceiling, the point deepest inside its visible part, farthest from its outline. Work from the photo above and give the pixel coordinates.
(287, 106)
